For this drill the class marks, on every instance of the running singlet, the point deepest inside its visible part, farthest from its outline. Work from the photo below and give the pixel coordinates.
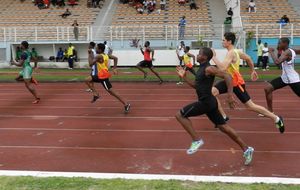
(289, 75)
(147, 56)
(234, 71)
(187, 61)
(27, 57)
(101, 69)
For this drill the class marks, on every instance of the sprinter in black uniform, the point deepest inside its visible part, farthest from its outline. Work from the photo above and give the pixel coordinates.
(207, 103)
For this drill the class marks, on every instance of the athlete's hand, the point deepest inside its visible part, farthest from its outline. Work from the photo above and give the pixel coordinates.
(254, 76)
(180, 71)
(214, 52)
(13, 62)
(271, 49)
(153, 59)
(231, 101)
(90, 51)
(115, 71)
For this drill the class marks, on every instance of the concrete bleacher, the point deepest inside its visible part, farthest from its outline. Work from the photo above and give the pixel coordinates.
(266, 17)
(13, 13)
(161, 22)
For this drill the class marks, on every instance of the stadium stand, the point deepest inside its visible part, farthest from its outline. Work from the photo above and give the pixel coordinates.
(267, 16)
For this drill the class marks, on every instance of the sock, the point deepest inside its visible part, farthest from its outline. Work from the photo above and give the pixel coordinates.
(277, 119)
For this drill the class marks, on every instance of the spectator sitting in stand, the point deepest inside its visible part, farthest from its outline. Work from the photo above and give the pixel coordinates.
(60, 55)
(251, 6)
(66, 14)
(61, 3)
(181, 2)
(284, 20)
(72, 3)
(162, 4)
(193, 5)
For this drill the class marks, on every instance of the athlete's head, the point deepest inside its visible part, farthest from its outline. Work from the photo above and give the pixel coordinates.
(187, 49)
(229, 39)
(147, 44)
(24, 45)
(266, 44)
(100, 48)
(283, 43)
(105, 42)
(205, 55)
(182, 43)
(259, 42)
(92, 45)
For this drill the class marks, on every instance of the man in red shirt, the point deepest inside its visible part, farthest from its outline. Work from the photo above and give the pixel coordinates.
(147, 62)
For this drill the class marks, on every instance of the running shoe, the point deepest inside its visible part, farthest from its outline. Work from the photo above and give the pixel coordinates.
(195, 146)
(95, 98)
(280, 125)
(161, 81)
(127, 108)
(248, 154)
(89, 90)
(34, 81)
(179, 83)
(36, 101)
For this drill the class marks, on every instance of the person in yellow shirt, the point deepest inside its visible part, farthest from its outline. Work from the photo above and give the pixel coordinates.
(100, 73)
(231, 64)
(259, 50)
(70, 55)
(187, 62)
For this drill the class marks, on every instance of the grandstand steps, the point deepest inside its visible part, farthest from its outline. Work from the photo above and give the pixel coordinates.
(295, 4)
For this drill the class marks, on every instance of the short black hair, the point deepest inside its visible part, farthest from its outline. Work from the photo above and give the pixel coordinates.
(101, 46)
(230, 36)
(105, 42)
(285, 40)
(207, 52)
(147, 42)
(188, 48)
(92, 44)
(25, 44)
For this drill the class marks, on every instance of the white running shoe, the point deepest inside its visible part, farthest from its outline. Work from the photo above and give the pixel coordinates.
(195, 146)
(179, 83)
(89, 90)
(248, 154)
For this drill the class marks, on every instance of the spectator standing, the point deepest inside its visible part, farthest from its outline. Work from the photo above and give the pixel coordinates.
(162, 4)
(182, 24)
(75, 29)
(193, 5)
(259, 50)
(34, 57)
(265, 58)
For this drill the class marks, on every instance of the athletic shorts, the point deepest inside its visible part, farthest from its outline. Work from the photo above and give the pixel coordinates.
(145, 64)
(278, 83)
(105, 82)
(208, 106)
(240, 92)
(26, 73)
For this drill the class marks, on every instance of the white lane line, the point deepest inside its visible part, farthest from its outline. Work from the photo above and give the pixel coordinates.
(138, 130)
(165, 177)
(157, 99)
(139, 149)
(125, 117)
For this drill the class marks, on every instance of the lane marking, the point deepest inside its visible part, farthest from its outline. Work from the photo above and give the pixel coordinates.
(132, 176)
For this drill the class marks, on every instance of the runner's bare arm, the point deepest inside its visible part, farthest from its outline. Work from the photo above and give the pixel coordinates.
(227, 61)
(214, 71)
(115, 60)
(179, 57)
(182, 73)
(297, 51)
(141, 49)
(193, 57)
(19, 64)
(91, 58)
(286, 55)
(248, 60)
(152, 51)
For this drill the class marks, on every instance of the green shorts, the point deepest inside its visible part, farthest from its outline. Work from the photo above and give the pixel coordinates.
(26, 73)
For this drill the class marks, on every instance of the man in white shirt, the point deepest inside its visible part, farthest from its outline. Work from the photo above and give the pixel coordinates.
(265, 58)
(289, 76)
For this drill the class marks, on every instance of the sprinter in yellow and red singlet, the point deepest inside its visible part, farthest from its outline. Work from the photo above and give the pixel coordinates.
(100, 73)
(147, 62)
(231, 65)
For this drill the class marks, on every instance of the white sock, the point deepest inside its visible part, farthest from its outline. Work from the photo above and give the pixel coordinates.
(277, 119)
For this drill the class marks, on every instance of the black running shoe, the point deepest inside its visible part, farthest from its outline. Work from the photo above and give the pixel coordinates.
(95, 98)
(127, 108)
(280, 125)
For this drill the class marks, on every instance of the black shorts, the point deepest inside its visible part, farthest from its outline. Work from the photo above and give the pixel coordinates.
(207, 106)
(278, 83)
(240, 92)
(145, 63)
(105, 82)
